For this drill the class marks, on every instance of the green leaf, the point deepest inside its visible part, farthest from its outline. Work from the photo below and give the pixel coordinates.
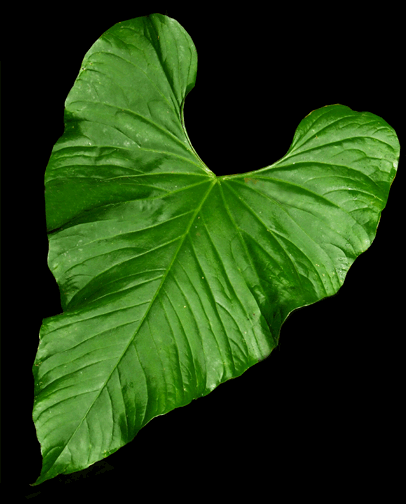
(174, 280)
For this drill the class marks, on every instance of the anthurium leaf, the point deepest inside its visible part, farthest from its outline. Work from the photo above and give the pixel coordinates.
(174, 280)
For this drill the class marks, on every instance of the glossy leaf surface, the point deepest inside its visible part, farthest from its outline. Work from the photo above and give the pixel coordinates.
(174, 280)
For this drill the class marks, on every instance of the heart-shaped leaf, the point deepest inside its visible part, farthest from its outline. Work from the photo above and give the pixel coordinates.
(174, 280)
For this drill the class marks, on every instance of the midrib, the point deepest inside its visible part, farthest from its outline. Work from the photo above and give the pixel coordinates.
(214, 181)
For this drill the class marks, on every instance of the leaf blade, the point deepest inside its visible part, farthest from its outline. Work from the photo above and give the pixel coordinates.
(171, 283)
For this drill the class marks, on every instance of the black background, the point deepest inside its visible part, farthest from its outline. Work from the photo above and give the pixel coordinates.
(324, 406)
